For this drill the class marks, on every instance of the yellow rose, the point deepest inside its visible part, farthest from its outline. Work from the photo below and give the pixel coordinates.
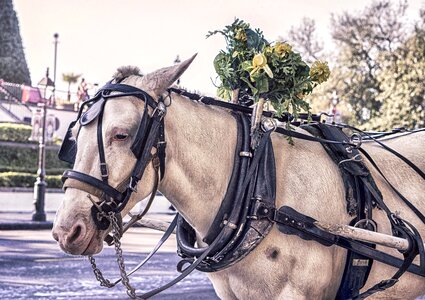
(282, 49)
(319, 71)
(259, 60)
(240, 35)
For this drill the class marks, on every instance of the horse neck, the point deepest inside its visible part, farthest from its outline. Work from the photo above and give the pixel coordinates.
(201, 141)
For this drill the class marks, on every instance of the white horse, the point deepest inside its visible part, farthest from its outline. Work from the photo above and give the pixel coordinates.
(201, 141)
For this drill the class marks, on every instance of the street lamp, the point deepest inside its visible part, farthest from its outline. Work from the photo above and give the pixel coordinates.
(47, 85)
(334, 102)
(56, 37)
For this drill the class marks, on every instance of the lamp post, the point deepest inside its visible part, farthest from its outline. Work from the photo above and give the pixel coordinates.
(334, 102)
(40, 184)
(56, 37)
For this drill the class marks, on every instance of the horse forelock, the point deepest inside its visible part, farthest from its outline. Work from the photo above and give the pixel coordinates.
(126, 71)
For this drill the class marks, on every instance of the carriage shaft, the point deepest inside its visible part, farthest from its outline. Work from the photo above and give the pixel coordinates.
(365, 235)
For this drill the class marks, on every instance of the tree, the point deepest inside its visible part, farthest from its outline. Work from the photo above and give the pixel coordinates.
(70, 78)
(305, 41)
(13, 65)
(363, 39)
(402, 99)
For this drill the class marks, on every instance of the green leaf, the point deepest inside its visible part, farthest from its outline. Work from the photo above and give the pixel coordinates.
(262, 84)
(246, 66)
(253, 89)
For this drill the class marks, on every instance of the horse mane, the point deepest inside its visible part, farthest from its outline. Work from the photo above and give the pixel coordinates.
(125, 71)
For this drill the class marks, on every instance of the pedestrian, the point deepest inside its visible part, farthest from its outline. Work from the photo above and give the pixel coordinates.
(82, 93)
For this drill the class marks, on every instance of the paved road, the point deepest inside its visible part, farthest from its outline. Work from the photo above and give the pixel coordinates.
(33, 267)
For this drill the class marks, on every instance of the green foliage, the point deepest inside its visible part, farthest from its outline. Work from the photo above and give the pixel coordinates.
(366, 42)
(260, 69)
(15, 132)
(26, 160)
(14, 179)
(13, 65)
(19, 161)
(402, 95)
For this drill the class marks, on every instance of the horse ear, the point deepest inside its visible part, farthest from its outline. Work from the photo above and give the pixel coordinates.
(159, 80)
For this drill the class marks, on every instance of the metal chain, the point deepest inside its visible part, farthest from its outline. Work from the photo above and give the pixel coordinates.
(131, 292)
(116, 229)
(99, 276)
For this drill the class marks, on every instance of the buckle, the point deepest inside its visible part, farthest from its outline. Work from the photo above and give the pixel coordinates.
(104, 170)
(263, 210)
(161, 109)
(245, 154)
(133, 184)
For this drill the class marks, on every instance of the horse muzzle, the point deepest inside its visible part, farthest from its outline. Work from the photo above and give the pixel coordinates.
(77, 240)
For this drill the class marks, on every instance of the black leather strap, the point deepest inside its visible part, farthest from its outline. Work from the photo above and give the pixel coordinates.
(94, 182)
(186, 272)
(240, 165)
(311, 138)
(234, 107)
(399, 155)
(128, 90)
(103, 167)
(161, 241)
(405, 200)
(305, 226)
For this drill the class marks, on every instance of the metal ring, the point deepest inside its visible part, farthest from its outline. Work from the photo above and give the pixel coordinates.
(169, 97)
(366, 223)
(356, 139)
(354, 158)
(268, 124)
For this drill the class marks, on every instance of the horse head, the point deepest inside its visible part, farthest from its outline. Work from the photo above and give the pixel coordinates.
(111, 129)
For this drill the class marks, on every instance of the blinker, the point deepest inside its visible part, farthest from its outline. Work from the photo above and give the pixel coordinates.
(68, 149)
(92, 112)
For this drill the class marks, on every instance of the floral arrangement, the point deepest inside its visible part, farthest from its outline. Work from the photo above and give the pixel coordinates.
(252, 67)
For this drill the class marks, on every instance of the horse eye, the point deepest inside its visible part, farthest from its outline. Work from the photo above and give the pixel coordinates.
(120, 136)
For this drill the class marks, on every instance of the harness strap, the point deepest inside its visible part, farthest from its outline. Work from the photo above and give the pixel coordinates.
(233, 227)
(186, 272)
(235, 107)
(135, 218)
(240, 166)
(311, 138)
(103, 167)
(407, 202)
(288, 217)
(90, 184)
(392, 151)
(161, 150)
(385, 284)
(161, 241)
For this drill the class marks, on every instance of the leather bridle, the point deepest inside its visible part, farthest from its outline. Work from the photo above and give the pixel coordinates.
(150, 135)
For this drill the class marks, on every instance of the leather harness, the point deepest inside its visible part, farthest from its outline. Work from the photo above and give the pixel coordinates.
(248, 210)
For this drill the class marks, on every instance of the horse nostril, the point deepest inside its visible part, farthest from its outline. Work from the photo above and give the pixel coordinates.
(75, 233)
(55, 236)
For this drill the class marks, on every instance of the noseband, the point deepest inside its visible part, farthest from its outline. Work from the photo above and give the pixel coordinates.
(150, 134)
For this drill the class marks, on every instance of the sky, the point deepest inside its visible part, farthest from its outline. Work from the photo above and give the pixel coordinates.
(98, 36)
